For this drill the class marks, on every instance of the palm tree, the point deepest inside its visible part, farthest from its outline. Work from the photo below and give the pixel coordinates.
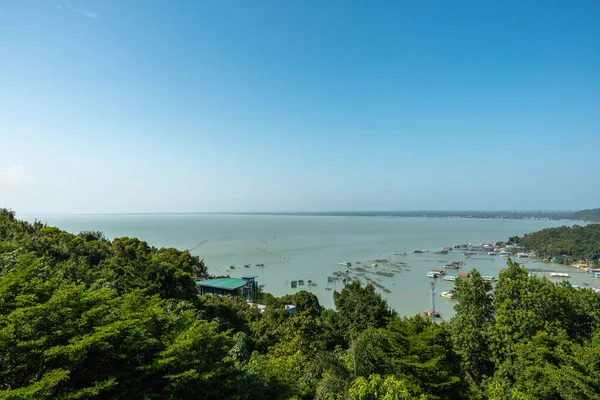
(336, 371)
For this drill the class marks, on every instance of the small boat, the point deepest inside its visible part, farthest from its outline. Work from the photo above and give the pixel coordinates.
(491, 253)
(400, 253)
(246, 265)
(447, 295)
(345, 264)
(432, 314)
(470, 253)
(417, 251)
(294, 284)
(505, 253)
(373, 264)
(522, 255)
(260, 265)
(232, 266)
(464, 275)
(559, 275)
(438, 271)
(432, 275)
(301, 282)
(450, 278)
(488, 278)
(451, 266)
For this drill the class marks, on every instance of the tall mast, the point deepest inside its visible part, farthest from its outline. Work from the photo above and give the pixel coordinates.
(432, 286)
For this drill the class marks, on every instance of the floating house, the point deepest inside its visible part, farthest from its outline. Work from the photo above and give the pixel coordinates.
(559, 275)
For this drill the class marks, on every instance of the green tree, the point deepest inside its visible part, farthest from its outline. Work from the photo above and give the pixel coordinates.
(420, 352)
(471, 324)
(360, 308)
(377, 387)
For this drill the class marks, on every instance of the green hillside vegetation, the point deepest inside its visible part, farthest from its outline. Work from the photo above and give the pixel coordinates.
(82, 317)
(592, 215)
(567, 243)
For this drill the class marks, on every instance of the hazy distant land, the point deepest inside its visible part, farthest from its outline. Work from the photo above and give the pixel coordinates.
(586, 215)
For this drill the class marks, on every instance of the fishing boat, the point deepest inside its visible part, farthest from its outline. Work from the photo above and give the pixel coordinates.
(450, 278)
(432, 314)
(345, 264)
(559, 275)
(438, 271)
(488, 278)
(432, 275)
(447, 295)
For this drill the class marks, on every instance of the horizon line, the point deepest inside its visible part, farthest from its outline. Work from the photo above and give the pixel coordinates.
(321, 212)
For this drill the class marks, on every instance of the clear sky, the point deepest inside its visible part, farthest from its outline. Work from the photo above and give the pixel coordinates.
(183, 106)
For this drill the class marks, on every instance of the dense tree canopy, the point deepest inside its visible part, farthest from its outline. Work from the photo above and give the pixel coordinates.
(568, 243)
(591, 215)
(83, 317)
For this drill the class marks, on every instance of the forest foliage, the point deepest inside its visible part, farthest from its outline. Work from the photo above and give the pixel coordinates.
(84, 317)
(567, 243)
(590, 215)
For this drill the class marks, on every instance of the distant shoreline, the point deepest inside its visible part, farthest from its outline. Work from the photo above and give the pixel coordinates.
(506, 215)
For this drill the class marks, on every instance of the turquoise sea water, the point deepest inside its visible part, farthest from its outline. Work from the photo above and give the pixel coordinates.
(311, 247)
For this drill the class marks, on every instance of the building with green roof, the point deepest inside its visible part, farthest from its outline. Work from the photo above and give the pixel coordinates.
(233, 287)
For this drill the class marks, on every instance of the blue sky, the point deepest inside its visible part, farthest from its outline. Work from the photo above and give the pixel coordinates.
(158, 106)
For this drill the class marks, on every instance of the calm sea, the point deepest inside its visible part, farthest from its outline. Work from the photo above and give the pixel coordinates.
(311, 248)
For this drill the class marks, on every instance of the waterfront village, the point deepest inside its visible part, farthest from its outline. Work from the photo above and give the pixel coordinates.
(247, 287)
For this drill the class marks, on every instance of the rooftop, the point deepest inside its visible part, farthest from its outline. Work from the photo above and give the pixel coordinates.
(223, 283)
